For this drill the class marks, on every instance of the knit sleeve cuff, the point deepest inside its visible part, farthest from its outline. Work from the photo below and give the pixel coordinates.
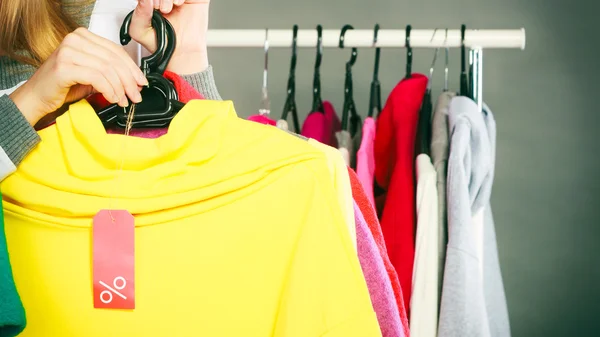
(204, 82)
(17, 136)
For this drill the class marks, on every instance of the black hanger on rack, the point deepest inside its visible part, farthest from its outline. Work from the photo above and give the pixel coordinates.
(290, 102)
(423, 140)
(464, 78)
(349, 106)
(159, 99)
(409, 53)
(317, 104)
(375, 97)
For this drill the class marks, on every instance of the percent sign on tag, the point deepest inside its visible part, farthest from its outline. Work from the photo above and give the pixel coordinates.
(113, 234)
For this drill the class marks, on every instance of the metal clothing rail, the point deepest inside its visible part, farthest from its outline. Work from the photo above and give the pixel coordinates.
(387, 38)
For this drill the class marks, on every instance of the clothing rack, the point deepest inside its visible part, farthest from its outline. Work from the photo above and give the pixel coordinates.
(363, 38)
(475, 39)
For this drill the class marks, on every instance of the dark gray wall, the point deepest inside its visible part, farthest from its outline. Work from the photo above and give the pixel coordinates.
(546, 198)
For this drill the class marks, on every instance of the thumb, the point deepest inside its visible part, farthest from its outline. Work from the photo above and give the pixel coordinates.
(141, 25)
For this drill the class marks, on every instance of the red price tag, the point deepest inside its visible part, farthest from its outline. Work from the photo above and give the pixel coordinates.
(113, 235)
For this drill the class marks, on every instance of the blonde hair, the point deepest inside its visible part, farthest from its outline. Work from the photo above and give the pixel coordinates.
(30, 30)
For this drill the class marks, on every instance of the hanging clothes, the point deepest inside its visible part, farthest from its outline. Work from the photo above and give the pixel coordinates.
(440, 147)
(191, 249)
(473, 299)
(322, 125)
(370, 216)
(380, 287)
(365, 159)
(394, 172)
(356, 141)
(345, 145)
(424, 303)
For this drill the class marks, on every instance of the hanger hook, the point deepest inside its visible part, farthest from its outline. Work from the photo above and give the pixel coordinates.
(464, 85)
(265, 108)
(317, 100)
(409, 54)
(446, 61)
(354, 55)
(435, 55)
(375, 95)
(266, 67)
(319, 46)
(377, 52)
(294, 48)
(151, 62)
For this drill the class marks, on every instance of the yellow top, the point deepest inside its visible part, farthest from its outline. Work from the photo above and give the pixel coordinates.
(238, 231)
(343, 188)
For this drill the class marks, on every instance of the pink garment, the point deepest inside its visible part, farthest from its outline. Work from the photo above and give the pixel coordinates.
(365, 159)
(262, 119)
(186, 93)
(378, 282)
(322, 125)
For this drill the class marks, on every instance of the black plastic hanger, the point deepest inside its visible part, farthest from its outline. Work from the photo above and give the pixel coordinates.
(317, 104)
(290, 102)
(409, 53)
(159, 99)
(349, 106)
(423, 140)
(110, 114)
(464, 78)
(149, 63)
(375, 97)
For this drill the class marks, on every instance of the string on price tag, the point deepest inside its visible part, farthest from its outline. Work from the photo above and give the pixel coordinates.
(113, 246)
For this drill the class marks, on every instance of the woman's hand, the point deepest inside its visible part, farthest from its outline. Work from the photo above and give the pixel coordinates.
(190, 21)
(84, 63)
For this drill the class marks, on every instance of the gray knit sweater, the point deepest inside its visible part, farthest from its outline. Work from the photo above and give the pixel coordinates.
(17, 137)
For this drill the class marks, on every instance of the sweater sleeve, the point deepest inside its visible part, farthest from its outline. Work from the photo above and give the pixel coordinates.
(204, 83)
(17, 137)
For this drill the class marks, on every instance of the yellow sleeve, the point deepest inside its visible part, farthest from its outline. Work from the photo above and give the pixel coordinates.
(325, 293)
(339, 174)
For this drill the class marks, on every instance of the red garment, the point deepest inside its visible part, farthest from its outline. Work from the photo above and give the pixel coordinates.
(322, 125)
(262, 119)
(394, 172)
(368, 212)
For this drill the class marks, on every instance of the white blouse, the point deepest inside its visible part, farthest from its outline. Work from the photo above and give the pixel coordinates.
(106, 21)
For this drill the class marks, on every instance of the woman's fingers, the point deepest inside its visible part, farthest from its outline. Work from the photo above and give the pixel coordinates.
(141, 25)
(90, 61)
(166, 6)
(93, 78)
(86, 50)
(118, 55)
(156, 4)
(114, 67)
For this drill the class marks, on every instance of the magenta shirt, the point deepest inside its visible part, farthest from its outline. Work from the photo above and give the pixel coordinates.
(365, 159)
(322, 125)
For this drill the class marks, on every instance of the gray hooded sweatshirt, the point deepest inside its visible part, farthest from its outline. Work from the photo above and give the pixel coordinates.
(440, 145)
(473, 300)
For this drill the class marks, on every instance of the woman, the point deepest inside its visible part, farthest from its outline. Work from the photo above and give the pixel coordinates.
(46, 61)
